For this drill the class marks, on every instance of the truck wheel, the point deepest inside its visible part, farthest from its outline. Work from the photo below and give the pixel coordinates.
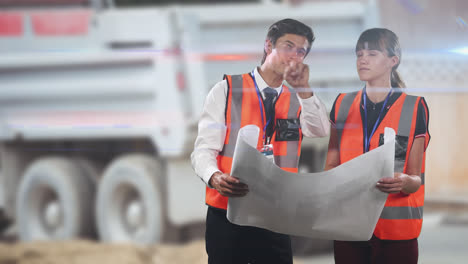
(55, 201)
(130, 205)
(4, 222)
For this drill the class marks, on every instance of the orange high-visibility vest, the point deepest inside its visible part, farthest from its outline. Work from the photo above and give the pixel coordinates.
(243, 108)
(401, 218)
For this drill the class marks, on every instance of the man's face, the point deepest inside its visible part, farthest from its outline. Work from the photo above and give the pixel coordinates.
(288, 49)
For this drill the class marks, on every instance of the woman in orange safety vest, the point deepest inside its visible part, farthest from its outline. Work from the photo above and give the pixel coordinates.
(358, 122)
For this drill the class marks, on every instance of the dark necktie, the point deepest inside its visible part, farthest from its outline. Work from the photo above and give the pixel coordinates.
(270, 95)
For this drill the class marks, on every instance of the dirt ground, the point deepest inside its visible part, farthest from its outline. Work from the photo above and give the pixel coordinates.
(86, 252)
(187, 247)
(90, 252)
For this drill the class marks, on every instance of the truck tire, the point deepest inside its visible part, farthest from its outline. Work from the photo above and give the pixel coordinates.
(4, 222)
(130, 201)
(55, 201)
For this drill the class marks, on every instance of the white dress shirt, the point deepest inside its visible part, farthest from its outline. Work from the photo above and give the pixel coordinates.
(212, 125)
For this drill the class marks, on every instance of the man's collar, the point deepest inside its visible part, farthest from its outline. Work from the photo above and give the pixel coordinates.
(261, 84)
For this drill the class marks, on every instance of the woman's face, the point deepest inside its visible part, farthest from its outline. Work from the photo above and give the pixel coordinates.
(374, 65)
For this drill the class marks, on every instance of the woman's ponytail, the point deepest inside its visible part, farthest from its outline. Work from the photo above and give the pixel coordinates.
(396, 80)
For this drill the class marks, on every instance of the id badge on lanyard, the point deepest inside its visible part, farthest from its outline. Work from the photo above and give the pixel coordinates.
(267, 151)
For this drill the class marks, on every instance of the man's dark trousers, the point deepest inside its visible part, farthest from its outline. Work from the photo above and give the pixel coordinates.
(229, 243)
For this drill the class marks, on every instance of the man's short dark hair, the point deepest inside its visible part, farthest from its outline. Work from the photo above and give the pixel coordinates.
(289, 26)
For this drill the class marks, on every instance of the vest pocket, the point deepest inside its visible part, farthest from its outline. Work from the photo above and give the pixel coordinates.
(287, 129)
(401, 146)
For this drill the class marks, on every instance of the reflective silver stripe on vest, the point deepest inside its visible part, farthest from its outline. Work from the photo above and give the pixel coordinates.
(402, 212)
(294, 104)
(291, 160)
(343, 114)
(404, 129)
(236, 115)
(404, 126)
(423, 176)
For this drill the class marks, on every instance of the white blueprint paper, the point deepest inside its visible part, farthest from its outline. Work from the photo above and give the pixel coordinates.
(339, 204)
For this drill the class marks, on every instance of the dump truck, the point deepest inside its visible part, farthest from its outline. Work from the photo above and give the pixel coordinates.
(99, 105)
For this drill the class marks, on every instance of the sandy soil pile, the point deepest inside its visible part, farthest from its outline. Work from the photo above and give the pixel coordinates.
(86, 252)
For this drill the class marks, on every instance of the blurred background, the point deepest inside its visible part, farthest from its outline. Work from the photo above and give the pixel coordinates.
(99, 103)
